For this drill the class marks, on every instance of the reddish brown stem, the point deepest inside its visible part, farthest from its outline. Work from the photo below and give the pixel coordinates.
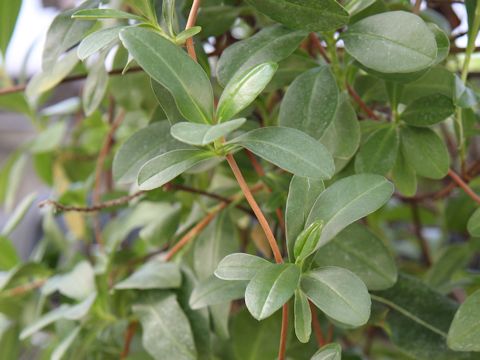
(256, 209)
(459, 181)
(194, 231)
(129, 334)
(317, 329)
(360, 103)
(283, 333)
(318, 46)
(22, 289)
(192, 18)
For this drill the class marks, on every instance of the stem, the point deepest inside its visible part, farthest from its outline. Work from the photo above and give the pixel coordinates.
(361, 103)
(256, 209)
(416, 7)
(129, 334)
(417, 229)
(317, 329)
(98, 207)
(283, 333)
(463, 185)
(468, 55)
(192, 18)
(22, 289)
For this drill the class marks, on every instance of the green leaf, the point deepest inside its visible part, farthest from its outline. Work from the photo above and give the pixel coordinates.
(425, 152)
(473, 224)
(289, 149)
(77, 284)
(347, 201)
(240, 266)
(357, 249)
(419, 319)
(9, 11)
(97, 41)
(302, 194)
(271, 44)
(214, 291)
(464, 331)
(166, 331)
(391, 42)
(452, 259)
(428, 110)
(64, 33)
(141, 147)
(463, 95)
(174, 69)
(154, 274)
(214, 243)
(243, 88)
(270, 288)
(310, 15)
(306, 242)
(443, 42)
(378, 153)
(342, 137)
(255, 340)
(437, 80)
(339, 293)
(310, 102)
(95, 87)
(51, 76)
(166, 102)
(404, 176)
(43, 321)
(203, 134)
(163, 168)
(49, 139)
(328, 352)
(188, 33)
(303, 317)
(217, 19)
(8, 254)
(61, 349)
(94, 14)
(18, 214)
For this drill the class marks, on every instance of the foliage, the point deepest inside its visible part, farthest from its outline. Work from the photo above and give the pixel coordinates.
(345, 120)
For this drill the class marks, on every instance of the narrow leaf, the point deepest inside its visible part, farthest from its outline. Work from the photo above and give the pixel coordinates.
(243, 89)
(163, 168)
(154, 274)
(174, 69)
(303, 317)
(94, 14)
(97, 41)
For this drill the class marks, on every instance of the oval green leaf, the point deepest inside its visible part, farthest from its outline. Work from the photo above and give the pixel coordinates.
(428, 110)
(339, 293)
(270, 288)
(214, 291)
(392, 42)
(302, 317)
(289, 149)
(464, 331)
(240, 266)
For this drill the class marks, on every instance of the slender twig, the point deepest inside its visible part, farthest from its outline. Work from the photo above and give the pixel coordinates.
(361, 103)
(20, 88)
(129, 334)
(194, 231)
(189, 189)
(318, 45)
(22, 289)
(91, 209)
(256, 209)
(104, 151)
(417, 229)
(192, 18)
(283, 333)
(317, 329)
(416, 7)
(459, 181)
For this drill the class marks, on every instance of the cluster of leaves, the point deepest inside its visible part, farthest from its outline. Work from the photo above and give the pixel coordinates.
(176, 260)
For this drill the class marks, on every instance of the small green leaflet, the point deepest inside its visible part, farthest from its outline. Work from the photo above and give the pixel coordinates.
(214, 291)
(328, 352)
(303, 317)
(203, 134)
(94, 14)
(240, 266)
(243, 89)
(428, 110)
(465, 328)
(98, 41)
